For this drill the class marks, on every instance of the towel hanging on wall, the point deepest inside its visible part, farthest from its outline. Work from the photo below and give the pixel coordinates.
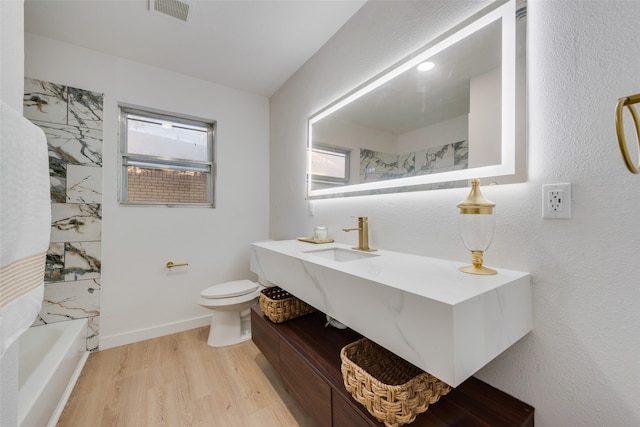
(25, 223)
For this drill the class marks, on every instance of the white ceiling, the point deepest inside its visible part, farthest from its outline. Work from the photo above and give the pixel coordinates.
(249, 45)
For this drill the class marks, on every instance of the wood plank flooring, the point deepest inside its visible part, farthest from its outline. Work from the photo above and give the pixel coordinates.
(178, 380)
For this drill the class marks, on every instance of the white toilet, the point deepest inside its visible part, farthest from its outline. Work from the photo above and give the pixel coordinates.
(230, 302)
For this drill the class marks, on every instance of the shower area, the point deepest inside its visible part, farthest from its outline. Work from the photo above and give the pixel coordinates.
(55, 348)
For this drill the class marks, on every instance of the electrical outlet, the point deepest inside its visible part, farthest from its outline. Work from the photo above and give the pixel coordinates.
(556, 201)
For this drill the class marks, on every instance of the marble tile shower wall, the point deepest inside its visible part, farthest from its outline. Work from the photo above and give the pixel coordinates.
(72, 121)
(379, 166)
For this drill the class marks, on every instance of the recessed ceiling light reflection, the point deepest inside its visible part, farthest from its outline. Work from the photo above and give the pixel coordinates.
(426, 66)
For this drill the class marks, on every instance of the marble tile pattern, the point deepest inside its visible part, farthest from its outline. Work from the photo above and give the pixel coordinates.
(71, 300)
(44, 101)
(425, 310)
(54, 270)
(379, 166)
(71, 119)
(84, 184)
(82, 260)
(73, 144)
(76, 222)
(93, 333)
(84, 108)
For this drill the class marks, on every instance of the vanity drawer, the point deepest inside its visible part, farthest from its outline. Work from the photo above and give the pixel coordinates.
(265, 338)
(345, 415)
(311, 391)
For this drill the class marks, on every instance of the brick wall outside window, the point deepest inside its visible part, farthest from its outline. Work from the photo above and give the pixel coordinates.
(162, 185)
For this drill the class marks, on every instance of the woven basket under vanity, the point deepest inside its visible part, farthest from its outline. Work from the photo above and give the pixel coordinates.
(393, 390)
(279, 305)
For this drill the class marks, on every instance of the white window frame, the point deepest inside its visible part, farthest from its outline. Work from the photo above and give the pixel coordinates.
(160, 162)
(345, 153)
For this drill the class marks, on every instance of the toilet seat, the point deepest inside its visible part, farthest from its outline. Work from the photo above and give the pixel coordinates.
(230, 303)
(232, 289)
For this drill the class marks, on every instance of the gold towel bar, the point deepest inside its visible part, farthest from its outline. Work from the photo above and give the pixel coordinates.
(628, 102)
(170, 264)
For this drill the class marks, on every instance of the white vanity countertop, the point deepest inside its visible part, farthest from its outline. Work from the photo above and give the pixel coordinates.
(432, 278)
(425, 310)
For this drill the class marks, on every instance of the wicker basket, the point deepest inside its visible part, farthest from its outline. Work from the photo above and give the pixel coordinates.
(393, 390)
(279, 305)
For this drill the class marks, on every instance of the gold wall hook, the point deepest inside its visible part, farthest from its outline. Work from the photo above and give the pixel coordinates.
(170, 264)
(628, 102)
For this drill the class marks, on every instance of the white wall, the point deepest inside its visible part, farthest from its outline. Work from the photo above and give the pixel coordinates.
(12, 52)
(579, 366)
(349, 135)
(140, 297)
(437, 135)
(485, 112)
(11, 90)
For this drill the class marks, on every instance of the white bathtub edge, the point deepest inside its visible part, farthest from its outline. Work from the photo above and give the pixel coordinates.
(39, 394)
(153, 332)
(67, 392)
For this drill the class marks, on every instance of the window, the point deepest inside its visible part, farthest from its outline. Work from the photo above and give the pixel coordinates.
(329, 164)
(166, 159)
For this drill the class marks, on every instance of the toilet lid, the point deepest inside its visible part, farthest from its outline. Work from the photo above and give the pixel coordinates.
(230, 289)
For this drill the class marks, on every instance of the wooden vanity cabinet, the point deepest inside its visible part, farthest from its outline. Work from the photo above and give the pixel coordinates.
(308, 388)
(265, 337)
(307, 357)
(344, 413)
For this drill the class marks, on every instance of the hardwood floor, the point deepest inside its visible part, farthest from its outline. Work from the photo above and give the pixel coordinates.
(178, 380)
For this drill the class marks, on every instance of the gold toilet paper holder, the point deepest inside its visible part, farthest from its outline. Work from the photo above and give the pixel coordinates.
(171, 264)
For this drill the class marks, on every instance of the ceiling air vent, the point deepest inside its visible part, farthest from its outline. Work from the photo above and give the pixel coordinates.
(177, 9)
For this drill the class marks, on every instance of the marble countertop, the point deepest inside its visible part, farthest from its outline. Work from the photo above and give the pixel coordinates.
(432, 278)
(425, 310)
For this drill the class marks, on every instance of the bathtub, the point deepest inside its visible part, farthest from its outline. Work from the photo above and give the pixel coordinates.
(50, 360)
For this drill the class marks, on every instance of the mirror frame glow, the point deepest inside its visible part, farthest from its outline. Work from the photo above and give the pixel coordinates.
(500, 10)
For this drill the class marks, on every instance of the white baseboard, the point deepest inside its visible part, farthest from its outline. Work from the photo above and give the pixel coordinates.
(153, 332)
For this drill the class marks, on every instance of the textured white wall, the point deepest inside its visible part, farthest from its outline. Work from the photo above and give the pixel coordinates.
(140, 297)
(11, 89)
(12, 52)
(580, 364)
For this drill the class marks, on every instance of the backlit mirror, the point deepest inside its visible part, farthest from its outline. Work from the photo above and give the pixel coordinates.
(453, 111)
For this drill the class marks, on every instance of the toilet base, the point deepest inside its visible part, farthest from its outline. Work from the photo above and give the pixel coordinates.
(229, 328)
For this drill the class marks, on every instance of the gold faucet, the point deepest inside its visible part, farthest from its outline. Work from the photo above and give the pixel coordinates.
(363, 234)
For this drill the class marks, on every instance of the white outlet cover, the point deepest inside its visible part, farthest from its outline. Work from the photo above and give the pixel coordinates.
(556, 201)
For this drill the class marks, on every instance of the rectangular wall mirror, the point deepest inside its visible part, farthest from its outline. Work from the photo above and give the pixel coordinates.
(453, 111)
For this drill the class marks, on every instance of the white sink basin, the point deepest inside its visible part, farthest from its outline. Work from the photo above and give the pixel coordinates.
(341, 254)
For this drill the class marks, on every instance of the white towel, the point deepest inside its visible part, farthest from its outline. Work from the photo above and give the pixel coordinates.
(25, 223)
